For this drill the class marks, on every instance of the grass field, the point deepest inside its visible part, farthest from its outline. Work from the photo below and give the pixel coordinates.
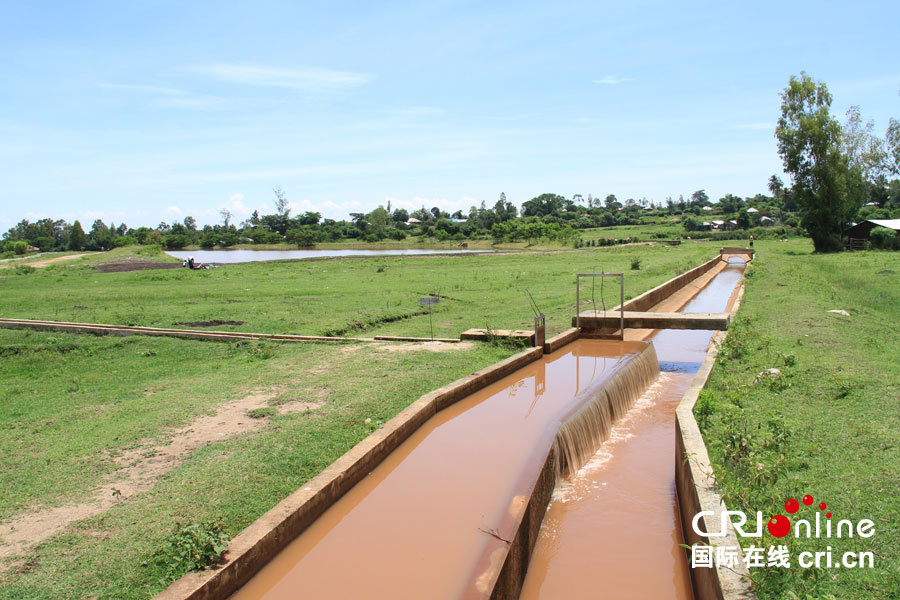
(829, 425)
(344, 297)
(73, 406)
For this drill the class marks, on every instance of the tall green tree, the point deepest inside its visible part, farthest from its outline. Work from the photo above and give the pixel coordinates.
(825, 188)
(77, 238)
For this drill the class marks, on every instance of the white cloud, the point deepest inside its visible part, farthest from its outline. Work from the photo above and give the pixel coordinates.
(612, 80)
(167, 96)
(4, 219)
(173, 210)
(237, 207)
(303, 78)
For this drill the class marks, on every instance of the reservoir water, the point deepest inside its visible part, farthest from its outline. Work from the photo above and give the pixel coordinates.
(242, 256)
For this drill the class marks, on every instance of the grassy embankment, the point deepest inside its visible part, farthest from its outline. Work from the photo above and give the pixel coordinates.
(70, 404)
(829, 425)
(378, 296)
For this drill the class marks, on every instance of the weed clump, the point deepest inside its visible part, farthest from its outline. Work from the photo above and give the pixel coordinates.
(500, 341)
(191, 547)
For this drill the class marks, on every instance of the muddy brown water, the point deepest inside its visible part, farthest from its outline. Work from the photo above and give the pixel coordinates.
(613, 530)
(427, 521)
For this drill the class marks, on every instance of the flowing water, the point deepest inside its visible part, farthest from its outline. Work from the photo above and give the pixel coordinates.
(425, 523)
(613, 531)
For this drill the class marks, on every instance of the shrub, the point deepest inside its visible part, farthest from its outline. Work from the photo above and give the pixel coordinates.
(884, 238)
(636, 263)
(176, 240)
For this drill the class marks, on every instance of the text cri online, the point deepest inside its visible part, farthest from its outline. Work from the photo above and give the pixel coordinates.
(823, 559)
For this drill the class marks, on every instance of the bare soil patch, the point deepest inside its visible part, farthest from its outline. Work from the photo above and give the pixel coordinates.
(139, 469)
(48, 261)
(134, 263)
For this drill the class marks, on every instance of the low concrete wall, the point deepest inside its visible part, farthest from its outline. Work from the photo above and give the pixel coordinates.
(652, 297)
(509, 582)
(125, 330)
(697, 491)
(505, 578)
(560, 340)
(267, 536)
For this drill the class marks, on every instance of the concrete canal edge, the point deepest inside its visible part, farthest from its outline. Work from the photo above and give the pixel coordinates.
(251, 549)
(697, 490)
(260, 542)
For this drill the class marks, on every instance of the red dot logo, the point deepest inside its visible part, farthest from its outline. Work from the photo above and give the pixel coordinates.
(822, 506)
(807, 500)
(791, 506)
(779, 526)
(828, 515)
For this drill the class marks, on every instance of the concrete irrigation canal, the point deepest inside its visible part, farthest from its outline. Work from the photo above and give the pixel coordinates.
(548, 475)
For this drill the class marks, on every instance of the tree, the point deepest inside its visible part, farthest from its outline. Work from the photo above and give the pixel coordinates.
(400, 215)
(545, 204)
(190, 223)
(699, 198)
(809, 142)
(892, 141)
(864, 150)
(281, 202)
(776, 186)
(77, 238)
(226, 217)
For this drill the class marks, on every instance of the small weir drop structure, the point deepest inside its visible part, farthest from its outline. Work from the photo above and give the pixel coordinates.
(447, 499)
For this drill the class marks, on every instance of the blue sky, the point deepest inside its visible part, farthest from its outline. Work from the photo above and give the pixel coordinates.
(145, 111)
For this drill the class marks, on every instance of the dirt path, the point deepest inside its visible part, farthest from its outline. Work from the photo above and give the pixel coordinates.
(47, 261)
(138, 471)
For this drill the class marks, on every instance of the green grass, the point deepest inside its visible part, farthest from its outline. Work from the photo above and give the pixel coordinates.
(343, 297)
(70, 403)
(645, 233)
(67, 412)
(829, 426)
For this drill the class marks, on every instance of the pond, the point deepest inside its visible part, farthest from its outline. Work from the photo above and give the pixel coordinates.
(241, 256)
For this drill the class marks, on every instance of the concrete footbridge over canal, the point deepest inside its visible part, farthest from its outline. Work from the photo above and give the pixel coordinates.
(552, 474)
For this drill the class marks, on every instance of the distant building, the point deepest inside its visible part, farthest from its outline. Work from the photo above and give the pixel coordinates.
(752, 210)
(766, 221)
(413, 221)
(861, 231)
